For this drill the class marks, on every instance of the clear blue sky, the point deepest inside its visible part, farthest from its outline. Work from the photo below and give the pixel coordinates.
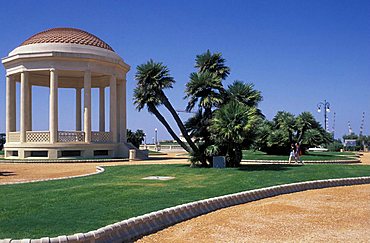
(296, 52)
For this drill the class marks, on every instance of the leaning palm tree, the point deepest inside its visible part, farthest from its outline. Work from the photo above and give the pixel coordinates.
(230, 126)
(152, 78)
(143, 98)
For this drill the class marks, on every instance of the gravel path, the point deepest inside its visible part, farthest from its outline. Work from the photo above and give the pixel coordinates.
(339, 214)
(16, 172)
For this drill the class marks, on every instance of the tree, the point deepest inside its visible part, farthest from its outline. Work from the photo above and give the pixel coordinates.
(275, 137)
(152, 78)
(230, 126)
(243, 93)
(205, 90)
(213, 63)
(306, 122)
(235, 107)
(2, 140)
(136, 138)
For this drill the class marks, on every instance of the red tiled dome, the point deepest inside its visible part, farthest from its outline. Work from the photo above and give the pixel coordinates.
(67, 35)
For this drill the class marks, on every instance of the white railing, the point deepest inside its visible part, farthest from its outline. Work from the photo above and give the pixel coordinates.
(153, 147)
(63, 137)
(101, 137)
(14, 137)
(71, 136)
(37, 137)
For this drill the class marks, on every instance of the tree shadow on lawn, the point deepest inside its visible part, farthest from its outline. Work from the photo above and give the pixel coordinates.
(255, 167)
(164, 158)
(7, 173)
(266, 167)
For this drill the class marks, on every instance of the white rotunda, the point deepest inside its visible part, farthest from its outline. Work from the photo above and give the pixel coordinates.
(63, 58)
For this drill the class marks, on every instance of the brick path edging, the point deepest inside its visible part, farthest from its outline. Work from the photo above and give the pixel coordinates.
(134, 228)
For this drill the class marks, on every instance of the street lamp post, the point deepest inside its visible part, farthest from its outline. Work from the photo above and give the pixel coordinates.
(156, 138)
(326, 107)
(145, 140)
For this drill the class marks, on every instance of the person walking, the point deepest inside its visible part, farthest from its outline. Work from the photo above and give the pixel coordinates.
(292, 153)
(298, 153)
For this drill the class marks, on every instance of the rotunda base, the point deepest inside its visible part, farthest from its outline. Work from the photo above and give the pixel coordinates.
(65, 150)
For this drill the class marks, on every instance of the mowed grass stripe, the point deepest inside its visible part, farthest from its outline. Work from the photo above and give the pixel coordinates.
(65, 207)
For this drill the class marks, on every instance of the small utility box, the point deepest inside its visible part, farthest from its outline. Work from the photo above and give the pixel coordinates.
(132, 154)
(219, 162)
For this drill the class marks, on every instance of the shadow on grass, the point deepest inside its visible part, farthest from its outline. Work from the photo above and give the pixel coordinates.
(266, 167)
(163, 158)
(263, 167)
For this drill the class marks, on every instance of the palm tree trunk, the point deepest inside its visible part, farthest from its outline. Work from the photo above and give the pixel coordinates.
(300, 137)
(155, 111)
(290, 137)
(179, 123)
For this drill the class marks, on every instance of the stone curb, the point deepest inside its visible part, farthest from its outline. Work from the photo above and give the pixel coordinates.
(306, 162)
(99, 170)
(134, 228)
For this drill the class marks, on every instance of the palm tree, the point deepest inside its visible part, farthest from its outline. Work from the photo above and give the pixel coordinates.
(152, 78)
(304, 122)
(213, 63)
(204, 88)
(231, 124)
(243, 93)
(285, 121)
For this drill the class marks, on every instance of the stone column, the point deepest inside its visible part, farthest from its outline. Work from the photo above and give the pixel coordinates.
(113, 107)
(119, 93)
(87, 106)
(24, 110)
(78, 109)
(102, 109)
(53, 114)
(13, 105)
(122, 118)
(29, 107)
(10, 121)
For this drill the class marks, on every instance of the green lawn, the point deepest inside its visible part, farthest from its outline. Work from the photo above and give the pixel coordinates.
(152, 152)
(65, 207)
(258, 155)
